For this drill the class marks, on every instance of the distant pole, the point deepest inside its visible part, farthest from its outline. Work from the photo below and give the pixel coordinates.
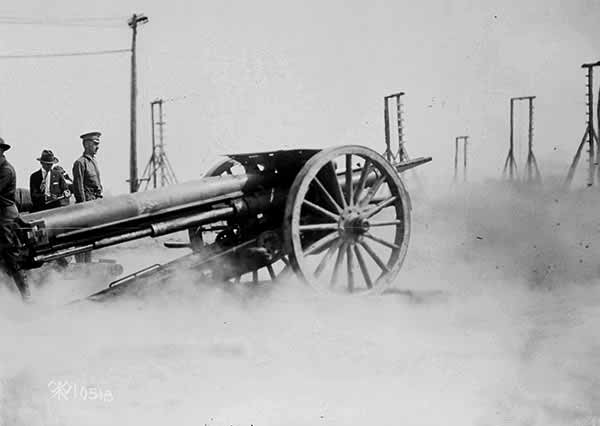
(590, 114)
(511, 147)
(153, 156)
(531, 168)
(401, 155)
(530, 140)
(455, 159)
(590, 137)
(511, 139)
(158, 169)
(456, 152)
(386, 121)
(595, 136)
(163, 179)
(465, 140)
(133, 178)
(510, 164)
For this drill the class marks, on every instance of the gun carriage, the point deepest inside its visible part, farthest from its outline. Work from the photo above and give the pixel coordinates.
(339, 218)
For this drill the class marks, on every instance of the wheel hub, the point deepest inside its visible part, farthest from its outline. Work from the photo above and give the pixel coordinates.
(352, 225)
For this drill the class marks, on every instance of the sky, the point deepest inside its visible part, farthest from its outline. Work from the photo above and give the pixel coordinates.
(252, 76)
(273, 74)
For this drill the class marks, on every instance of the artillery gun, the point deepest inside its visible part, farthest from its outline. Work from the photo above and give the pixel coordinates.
(339, 218)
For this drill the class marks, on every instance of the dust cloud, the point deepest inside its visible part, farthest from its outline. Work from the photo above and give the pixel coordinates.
(492, 320)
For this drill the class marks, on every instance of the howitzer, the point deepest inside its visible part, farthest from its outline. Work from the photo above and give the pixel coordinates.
(339, 218)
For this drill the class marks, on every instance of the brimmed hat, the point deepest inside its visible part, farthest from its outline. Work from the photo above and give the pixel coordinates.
(91, 136)
(4, 145)
(47, 157)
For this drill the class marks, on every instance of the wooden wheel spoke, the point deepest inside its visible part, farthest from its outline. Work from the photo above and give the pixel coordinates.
(385, 223)
(350, 266)
(321, 210)
(336, 266)
(271, 272)
(372, 191)
(349, 197)
(380, 206)
(374, 256)
(382, 241)
(363, 266)
(362, 180)
(326, 258)
(319, 227)
(334, 183)
(328, 195)
(322, 243)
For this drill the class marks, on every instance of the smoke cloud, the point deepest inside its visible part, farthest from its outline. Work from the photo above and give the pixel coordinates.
(492, 320)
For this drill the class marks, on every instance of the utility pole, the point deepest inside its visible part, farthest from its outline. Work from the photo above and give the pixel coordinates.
(531, 167)
(510, 162)
(466, 143)
(133, 178)
(401, 155)
(465, 140)
(455, 159)
(590, 137)
(158, 169)
(152, 162)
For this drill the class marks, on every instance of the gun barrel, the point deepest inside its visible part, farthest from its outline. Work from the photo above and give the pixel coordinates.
(153, 230)
(132, 210)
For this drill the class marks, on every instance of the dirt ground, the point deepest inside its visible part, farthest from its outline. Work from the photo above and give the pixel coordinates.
(492, 321)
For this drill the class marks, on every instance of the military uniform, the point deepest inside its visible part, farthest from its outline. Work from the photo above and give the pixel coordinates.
(86, 179)
(8, 214)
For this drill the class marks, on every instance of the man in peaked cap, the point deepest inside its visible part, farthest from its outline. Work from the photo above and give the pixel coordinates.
(48, 186)
(8, 214)
(86, 177)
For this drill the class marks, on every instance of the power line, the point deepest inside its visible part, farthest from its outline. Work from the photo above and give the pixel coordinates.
(64, 54)
(49, 20)
(107, 26)
(74, 18)
(97, 22)
(64, 24)
(182, 97)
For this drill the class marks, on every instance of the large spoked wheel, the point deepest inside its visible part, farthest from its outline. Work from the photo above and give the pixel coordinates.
(225, 166)
(262, 268)
(347, 221)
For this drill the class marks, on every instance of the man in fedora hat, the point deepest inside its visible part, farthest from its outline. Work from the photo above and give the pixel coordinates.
(8, 214)
(48, 186)
(86, 177)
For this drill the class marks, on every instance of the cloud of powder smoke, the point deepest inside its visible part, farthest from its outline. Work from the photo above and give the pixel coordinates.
(484, 339)
(545, 236)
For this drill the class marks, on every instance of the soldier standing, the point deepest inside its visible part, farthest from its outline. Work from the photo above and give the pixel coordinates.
(8, 214)
(86, 177)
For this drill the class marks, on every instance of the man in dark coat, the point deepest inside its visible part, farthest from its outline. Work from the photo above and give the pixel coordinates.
(48, 186)
(86, 177)
(8, 214)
